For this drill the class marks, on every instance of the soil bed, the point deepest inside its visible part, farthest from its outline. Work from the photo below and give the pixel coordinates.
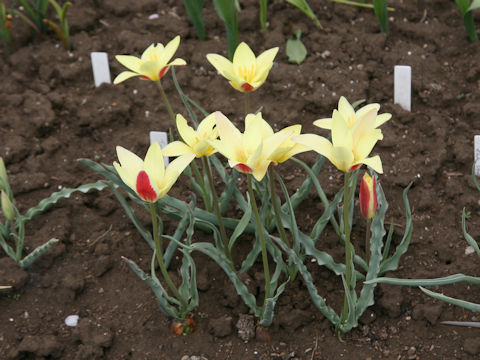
(51, 115)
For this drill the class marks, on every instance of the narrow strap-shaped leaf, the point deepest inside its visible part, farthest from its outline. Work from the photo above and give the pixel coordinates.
(251, 257)
(242, 224)
(292, 220)
(191, 113)
(462, 303)
(62, 194)
(326, 216)
(391, 263)
(304, 189)
(193, 290)
(451, 279)
(156, 287)
(386, 249)
(227, 11)
(35, 254)
(221, 259)
(319, 301)
(194, 12)
(147, 236)
(377, 227)
(471, 241)
(7, 248)
(268, 310)
(351, 320)
(172, 246)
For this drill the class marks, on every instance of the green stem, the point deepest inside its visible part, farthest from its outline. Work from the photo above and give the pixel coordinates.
(367, 241)
(470, 26)
(247, 103)
(200, 182)
(166, 102)
(347, 198)
(216, 208)
(159, 252)
(276, 208)
(258, 222)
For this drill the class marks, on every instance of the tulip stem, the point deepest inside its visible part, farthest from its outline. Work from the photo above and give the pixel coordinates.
(158, 238)
(347, 199)
(247, 103)
(367, 241)
(258, 222)
(166, 102)
(276, 208)
(216, 208)
(201, 183)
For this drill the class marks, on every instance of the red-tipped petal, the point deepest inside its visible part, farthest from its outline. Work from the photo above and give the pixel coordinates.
(247, 87)
(354, 167)
(162, 72)
(368, 197)
(145, 188)
(243, 168)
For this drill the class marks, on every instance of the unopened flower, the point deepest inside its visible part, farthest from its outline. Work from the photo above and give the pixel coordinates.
(149, 179)
(7, 206)
(195, 141)
(248, 152)
(3, 173)
(246, 73)
(368, 197)
(353, 117)
(350, 146)
(153, 64)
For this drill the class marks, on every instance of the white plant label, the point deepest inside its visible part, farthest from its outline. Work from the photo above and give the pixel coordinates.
(161, 138)
(402, 86)
(100, 67)
(476, 141)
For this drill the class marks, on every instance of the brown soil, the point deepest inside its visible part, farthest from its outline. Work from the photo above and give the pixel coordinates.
(51, 115)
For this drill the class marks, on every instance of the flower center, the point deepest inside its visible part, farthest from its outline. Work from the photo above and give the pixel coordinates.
(246, 73)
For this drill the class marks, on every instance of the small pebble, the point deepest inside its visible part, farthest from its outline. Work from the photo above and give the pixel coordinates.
(71, 320)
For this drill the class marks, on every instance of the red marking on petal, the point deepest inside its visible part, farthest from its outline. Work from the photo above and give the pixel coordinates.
(145, 188)
(145, 77)
(368, 198)
(246, 87)
(354, 167)
(162, 72)
(243, 168)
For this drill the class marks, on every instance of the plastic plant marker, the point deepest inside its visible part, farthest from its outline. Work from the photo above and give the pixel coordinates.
(476, 141)
(100, 67)
(162, 139)
(402, 86)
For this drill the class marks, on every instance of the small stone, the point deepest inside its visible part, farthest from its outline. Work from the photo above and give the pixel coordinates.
(411, 352)
(71, 320)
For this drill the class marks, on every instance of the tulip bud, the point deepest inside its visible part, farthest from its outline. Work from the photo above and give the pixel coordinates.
(7, 207)
(3, 173)
(368, 197)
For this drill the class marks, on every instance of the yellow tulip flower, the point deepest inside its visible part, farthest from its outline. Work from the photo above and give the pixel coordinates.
(351, 116)
(350, 146)
(248, 152)
(195, 141)
(153, 64)
(149, 179)
(246, 73)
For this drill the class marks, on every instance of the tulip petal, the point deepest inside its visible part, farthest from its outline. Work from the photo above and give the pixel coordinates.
(145, 187)
(174, 169)
(365, 145)
(124, 76)
(231, 138)
(264, 64)
(152, 52)
(205, 128)
(169, 50)
(345, 109)
(187, 133)
(127, 177)
(222, 64)
(129, 160)
(341, 133)
(244, 57)
(315, 142)
(176, 148)
(151, 70)
(373, 162)
(342, 158)
(382, 118)
(324, 123)
(154, 164)
(365, 124)
(132, 63)
(178, 62)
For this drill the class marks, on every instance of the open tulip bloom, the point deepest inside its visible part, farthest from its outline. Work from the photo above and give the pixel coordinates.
(195, 141)
(351, 116)
(153, 64)
(350, 145)
(251, 151)
(246, 73)
(149, 179)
